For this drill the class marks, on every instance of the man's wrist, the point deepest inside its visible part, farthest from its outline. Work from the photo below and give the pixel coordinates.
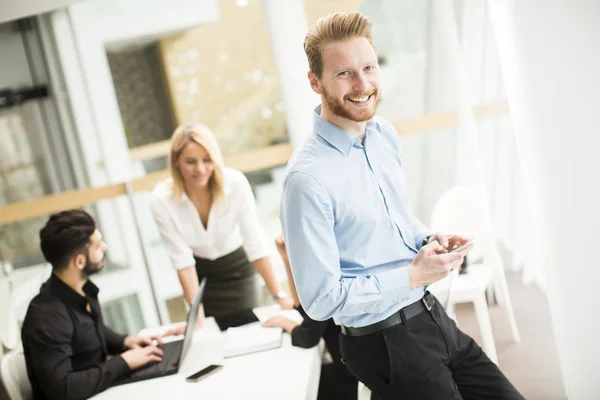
(426, 240)
(127, 342)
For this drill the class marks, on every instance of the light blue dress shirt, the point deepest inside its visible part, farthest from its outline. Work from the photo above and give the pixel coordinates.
(347, 224)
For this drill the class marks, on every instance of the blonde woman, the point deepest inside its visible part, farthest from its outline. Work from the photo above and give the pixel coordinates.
(206, 216)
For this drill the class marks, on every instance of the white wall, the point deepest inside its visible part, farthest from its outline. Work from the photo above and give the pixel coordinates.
(98, 23)
(464, 76)
(14, 71)
(287, 29)
(82, 33)
(551, 65)
(14, 9)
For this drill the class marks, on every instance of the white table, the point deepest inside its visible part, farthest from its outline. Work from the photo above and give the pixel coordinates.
(285, 373)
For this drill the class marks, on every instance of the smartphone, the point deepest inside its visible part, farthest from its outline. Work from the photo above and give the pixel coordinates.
(206, 372)
(464, 246)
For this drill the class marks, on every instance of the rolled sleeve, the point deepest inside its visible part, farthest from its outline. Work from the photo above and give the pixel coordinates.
(179, 252)
(308, 226)
(253, 235)
(182, 261)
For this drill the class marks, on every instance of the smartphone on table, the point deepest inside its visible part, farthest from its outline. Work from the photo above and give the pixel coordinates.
(206, 372)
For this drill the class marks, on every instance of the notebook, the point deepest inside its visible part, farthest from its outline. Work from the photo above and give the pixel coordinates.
(251, 338)
(264, 313)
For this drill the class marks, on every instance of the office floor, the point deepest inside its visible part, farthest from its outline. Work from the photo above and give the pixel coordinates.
(532, 366)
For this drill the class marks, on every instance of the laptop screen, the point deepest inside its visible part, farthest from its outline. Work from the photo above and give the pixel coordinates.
(191, 321)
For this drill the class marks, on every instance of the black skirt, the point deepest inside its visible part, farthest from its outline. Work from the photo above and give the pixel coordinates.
(231, 283)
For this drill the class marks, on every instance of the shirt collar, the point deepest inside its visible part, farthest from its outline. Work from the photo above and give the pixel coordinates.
(69, 296)
(336, 136)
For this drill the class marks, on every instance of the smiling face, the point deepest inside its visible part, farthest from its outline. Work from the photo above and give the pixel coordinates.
(195, 165)
(349, 85)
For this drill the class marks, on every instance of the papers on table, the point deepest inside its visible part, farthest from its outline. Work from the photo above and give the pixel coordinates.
(244, 339)
(264, 313)
(254, 337)
(251, 338)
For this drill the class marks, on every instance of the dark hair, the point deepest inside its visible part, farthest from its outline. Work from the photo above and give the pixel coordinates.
(66, 234)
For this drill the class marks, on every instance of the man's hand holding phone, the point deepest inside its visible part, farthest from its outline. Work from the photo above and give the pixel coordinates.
(435, 261)
(449, 242)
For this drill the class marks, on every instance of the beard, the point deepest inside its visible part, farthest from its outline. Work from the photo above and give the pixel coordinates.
(341, 109)
(91, 268)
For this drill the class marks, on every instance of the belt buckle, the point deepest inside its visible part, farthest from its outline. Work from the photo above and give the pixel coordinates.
(426, 303)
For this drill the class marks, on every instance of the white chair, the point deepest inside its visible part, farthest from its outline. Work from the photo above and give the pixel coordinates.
(460, 210)
(363, 392)
(14, 375)
(10, 334)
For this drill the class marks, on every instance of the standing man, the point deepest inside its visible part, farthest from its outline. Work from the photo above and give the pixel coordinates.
(69, 352)
(357, 253)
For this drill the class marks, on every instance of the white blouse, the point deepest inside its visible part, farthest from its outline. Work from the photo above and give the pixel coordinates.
(232, 222)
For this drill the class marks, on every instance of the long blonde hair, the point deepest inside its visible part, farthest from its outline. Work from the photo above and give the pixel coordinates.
(201, 134)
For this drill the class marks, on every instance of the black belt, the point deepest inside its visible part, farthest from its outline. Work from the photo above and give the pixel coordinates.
(426, 303)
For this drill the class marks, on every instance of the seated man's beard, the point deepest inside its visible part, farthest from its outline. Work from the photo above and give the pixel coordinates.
(91, 268)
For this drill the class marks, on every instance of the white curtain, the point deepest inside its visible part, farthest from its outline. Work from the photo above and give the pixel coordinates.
(486, 154)
(9, 329)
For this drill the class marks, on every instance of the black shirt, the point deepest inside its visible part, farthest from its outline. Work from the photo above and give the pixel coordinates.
(66, 347)
(336, 381)
(309, 333)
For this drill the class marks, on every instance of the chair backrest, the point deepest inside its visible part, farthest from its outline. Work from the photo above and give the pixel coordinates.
(14, 375)
(460, 210)
(10, 334)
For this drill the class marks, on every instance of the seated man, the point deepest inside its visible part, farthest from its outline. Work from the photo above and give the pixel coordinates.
(67, 347)
(336, 381)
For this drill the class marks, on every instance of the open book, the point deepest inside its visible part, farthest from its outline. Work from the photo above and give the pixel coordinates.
(251, 338)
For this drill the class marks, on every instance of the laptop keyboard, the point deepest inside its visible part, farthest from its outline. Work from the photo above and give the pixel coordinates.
(172, 352)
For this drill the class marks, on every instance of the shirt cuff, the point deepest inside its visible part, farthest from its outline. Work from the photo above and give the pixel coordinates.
(117, 366)
(183, 261)
(396, 281)
(118, 344)
(419, 239)
(257, 254)
(123, 347)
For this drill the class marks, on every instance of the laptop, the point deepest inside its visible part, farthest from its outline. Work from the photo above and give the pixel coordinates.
(174, 352)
